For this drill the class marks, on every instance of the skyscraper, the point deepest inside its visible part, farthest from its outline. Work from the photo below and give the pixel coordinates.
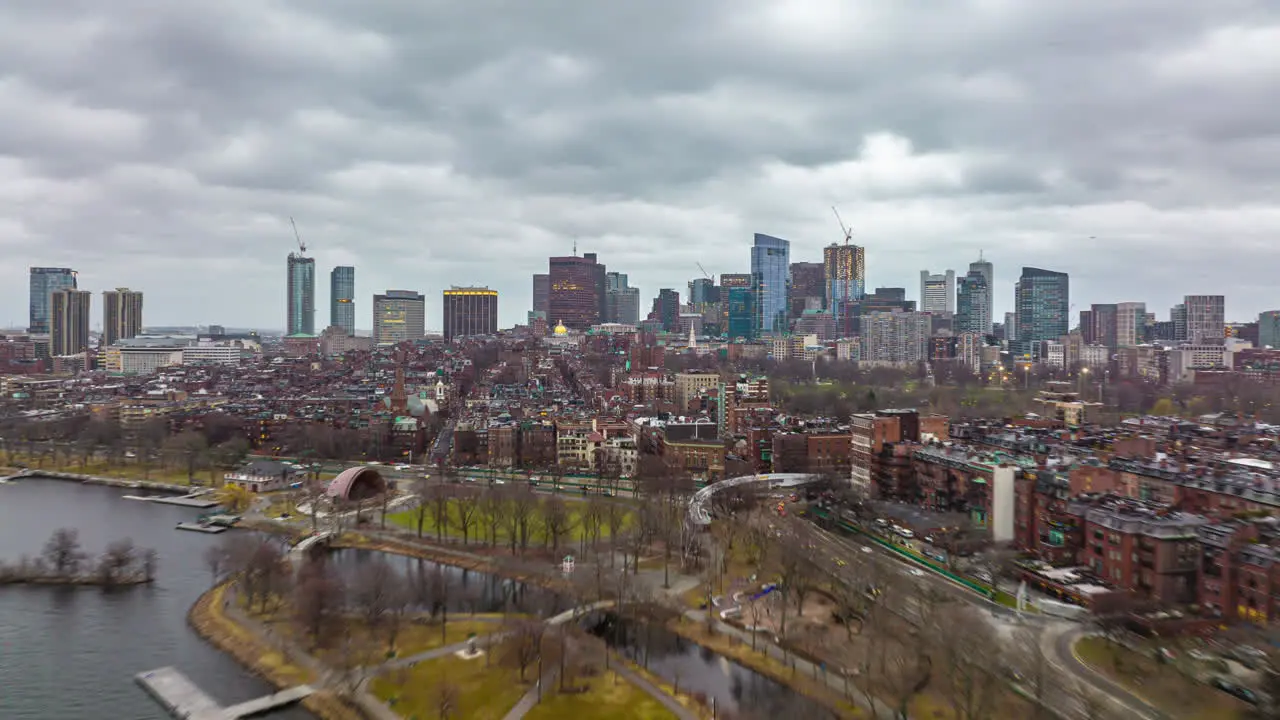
(667, 306)
(541, 293)
(1131, 324)
(44, 281)
(1269, 329)
(938, 292)
(988, 271)
(301, 300)
(1104, 324)
(1043, 302)
(69, 321)
(622, 302)
(1206, 318)
(702, 291)
(1178, 316)
(973, 304)
(399, 316)
(577, 295)
(741, 322)
(470, 311)
(342, 298)
(808, 288)
(770, 263)
(844, 270)
(121, 314)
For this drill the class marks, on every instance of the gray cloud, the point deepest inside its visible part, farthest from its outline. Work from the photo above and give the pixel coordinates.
(164, 145)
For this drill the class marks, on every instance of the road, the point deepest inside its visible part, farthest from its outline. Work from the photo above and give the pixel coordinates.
(1056, 636)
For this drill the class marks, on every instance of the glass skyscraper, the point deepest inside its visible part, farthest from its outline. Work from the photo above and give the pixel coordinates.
(1043, 302)
(301, 300)
(770, 265)
(742, 315)
(342, 298)
(44, 282)
(973, 303)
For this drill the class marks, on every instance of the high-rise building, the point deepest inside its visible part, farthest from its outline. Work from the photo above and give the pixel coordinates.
(541, 293)
(1178, 316)
(770, 266)
(68, 321)
(622, 302)
(342, 298)
(577, 295)
(1269, 329)
(121, 314)
(1104, 324)
(1011, 326)
(973, 303)
(938, 292)
(667, 307)
(895, 337)
(470, 311)
(702, 291)
(301, 300)
(844, 272)
(1043, 302)
(399, 316)
(808, 288)
(741, 304)
(615, 281)
(988, 272)
(1206, 318)
(1131, 324)
(728, 281)
(44, 282)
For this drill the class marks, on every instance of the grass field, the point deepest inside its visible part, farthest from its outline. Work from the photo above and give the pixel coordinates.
(1159, 684)
(604, 697)
(479, 692)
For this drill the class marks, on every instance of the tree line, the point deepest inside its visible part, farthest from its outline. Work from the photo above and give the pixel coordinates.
(63, 560)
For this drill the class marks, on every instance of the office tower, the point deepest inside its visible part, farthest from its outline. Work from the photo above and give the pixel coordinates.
(667, 307)
(615, 281)
(1131, 324)
(1043, 302)
(622, 302)
(938, 292)
(121, 315)
(728, 281)
(1087, 327)
(301, 288)
(1178, 316)
(1011, 326)
(770, 265)
(1104, 324)
(988, 272)
(741, 304)
(577, 291)
(470, 311)
(844, 273)
(399, 316)
(45, 281)
(1206, 319)
(973, 303)
(68, 321)
(808, 288)
(1269, 329)
(541, 293)
(895, 337)
(702, 291)
(342, 298)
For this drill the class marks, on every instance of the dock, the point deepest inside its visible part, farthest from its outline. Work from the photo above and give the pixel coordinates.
(182, 699)
(197, 527)
(186, 501)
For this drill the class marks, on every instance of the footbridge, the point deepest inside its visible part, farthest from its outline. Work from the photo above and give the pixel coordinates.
(700, 515)
(299, 551)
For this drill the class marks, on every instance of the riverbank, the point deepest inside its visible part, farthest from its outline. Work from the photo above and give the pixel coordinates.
(208, 617)
(84, 581)
(131, 484)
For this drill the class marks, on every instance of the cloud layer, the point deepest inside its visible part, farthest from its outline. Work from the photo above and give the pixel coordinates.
(164, 146)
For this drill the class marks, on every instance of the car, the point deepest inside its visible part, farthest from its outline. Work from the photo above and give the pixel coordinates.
(867, 550)
(840, 563)
(916, 572)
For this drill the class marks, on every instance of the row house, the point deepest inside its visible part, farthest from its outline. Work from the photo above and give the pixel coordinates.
(1142, 547)
(1239, 572)
(693, 448)
(872, 433)
(825, 453)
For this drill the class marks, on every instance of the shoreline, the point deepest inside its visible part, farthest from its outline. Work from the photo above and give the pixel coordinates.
(76, 582)
(207, 619)
(36, 474)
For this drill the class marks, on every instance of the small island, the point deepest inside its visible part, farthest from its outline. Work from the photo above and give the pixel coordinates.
(63, 561)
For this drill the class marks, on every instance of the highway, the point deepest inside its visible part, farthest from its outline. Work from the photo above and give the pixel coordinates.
(1056, 636)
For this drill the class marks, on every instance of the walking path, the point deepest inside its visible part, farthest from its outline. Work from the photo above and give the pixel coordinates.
(669, 702)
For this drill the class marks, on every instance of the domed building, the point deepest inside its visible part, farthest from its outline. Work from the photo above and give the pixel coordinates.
(357, 483)
(560, 337)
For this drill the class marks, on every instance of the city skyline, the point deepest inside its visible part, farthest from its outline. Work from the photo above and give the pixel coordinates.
(1162, 190)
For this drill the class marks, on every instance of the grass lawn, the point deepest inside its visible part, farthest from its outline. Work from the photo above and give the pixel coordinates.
(480, 529)
(483, 693)
(603, 697)
(1159, 684)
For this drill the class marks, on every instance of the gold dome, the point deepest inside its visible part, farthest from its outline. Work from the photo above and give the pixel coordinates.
(560, 329)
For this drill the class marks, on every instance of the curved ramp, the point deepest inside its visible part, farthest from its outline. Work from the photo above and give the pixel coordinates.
(698, 513)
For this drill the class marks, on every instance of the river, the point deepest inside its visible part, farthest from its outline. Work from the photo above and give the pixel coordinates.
(71, 653)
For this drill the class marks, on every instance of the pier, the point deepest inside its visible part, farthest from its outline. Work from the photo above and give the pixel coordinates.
(182, 699)
(197, 527)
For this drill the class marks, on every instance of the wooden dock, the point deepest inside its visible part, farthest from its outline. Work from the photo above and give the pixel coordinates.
(197, 527)
(186, 501)
(182, 699)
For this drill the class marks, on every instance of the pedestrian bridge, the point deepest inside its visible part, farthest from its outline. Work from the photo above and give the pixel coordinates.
(700, 515)
(299, 551)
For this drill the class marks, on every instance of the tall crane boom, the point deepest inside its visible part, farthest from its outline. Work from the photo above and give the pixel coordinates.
(302, 247)
(848, 231)
(704, 270)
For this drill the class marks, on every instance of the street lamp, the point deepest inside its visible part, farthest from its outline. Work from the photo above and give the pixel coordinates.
(1084, 373)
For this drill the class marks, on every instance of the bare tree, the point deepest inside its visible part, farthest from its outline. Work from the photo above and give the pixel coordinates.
(466, 511)
(149, 561)
(555, 521)
(441, 500)
(215, 560)
(905, 669)
(522, 644)
(447, 695)
(966, 649)
(493, 511)
(1034, 665)
(116, 562)
(593, 513)
(372, 593)
(63, 552)
(615, 519)
(523, 506)
(313, 491)
(422, 507)
(318, 601)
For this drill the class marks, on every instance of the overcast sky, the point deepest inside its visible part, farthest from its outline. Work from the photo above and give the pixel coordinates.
(163, 145)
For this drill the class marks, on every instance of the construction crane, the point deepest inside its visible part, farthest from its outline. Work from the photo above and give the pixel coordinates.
(704, 271)
(302, 247)
(848, 231)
